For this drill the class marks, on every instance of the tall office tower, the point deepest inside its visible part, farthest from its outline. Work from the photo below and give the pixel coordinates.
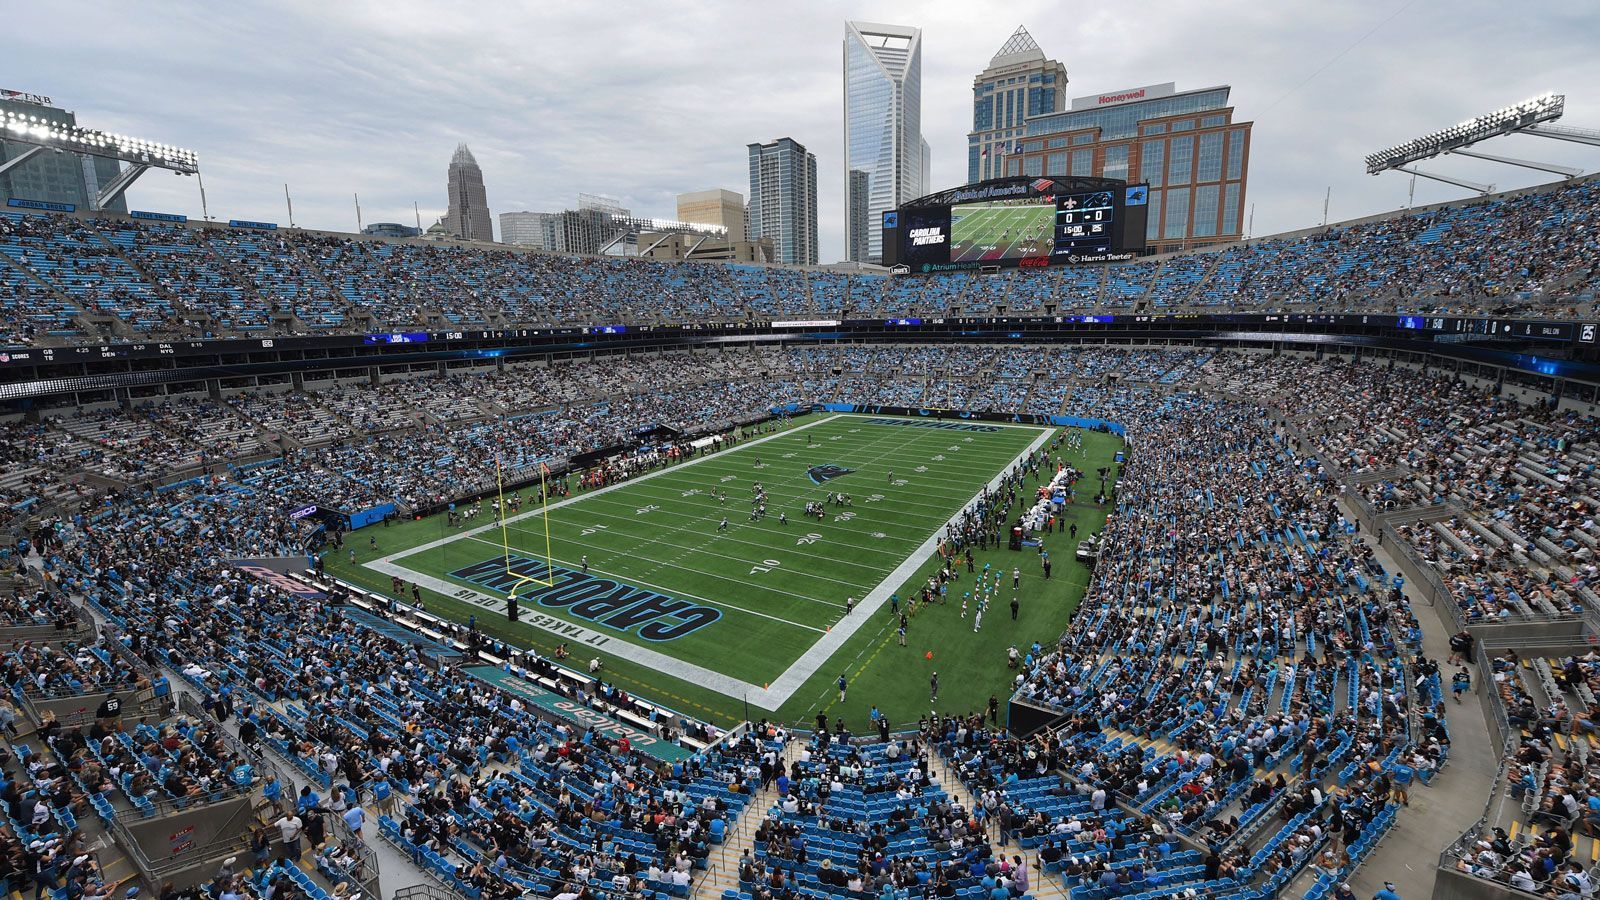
(783, 200)
(468, 216)
(529, 229)
(883, 148)
(1018, 85)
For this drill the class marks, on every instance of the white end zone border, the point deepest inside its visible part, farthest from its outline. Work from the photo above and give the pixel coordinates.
(768, 698)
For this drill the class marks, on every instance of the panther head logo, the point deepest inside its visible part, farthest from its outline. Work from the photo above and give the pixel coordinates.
(826, 472)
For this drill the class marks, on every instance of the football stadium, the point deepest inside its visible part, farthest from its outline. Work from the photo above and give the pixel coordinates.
(1063, 539)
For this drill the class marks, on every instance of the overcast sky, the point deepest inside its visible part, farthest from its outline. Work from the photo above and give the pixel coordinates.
(642, 101)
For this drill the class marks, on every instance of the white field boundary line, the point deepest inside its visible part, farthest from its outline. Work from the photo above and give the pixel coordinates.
(768, 697)
(564, 630)
(561, 628)
(784, 687)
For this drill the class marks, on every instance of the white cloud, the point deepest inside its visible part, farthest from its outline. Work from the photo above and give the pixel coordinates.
(644, 100)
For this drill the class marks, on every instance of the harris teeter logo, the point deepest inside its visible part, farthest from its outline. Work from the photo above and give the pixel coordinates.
(826, 472)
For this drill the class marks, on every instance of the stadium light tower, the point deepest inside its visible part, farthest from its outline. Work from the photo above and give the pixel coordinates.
(141, 155)
(1527, 117)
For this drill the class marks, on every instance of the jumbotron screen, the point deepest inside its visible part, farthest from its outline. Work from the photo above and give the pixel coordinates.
(1017, 222)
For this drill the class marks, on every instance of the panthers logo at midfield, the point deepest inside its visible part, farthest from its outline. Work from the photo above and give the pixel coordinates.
(826, 472)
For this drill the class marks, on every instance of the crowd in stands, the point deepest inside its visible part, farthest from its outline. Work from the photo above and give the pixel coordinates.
(870, 819)
(422, 440)
(472, 785)
(1197, 674)
(1516, 485)
(1550, 707)
(1533, 253)
(1519, 480)
(1242, 670)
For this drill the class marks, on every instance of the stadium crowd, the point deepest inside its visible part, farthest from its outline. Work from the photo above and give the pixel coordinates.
(1242, 670)
(76, 279)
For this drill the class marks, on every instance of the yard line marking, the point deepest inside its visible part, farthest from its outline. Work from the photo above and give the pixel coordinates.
(743, 585)
(766, 549)
(778, 529)
(600, 491)
(773, 695)
(680, 669)
(874, 519)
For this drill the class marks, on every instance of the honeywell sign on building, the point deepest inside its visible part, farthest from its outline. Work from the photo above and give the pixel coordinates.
(1126, 95)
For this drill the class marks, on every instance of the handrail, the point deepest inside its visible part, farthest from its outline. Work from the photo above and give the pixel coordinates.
(366, 874)
(169, 806)
(258, 760)
(1426, 579)
(424, 891)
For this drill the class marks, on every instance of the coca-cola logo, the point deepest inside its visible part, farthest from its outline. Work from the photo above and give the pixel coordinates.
(1034, 262)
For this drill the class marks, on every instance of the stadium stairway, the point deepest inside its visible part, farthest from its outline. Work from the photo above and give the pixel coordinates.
(1039, 885)
(724, 872)
(354, 314)
(174, 298)
(1408, 853)
(249, 291)
(115, 867)
(724, 868)
(953, 786)
(395, 870)
(80, 316)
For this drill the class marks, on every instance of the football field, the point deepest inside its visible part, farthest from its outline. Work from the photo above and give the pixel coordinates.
(645, 576)
(984, 231)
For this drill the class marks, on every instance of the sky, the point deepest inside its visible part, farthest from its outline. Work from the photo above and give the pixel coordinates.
(643, 101)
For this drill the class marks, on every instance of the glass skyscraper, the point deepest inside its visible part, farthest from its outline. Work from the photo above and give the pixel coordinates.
(884, 154)
(783, 200)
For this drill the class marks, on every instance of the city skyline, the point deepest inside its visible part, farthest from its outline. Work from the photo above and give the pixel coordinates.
(369, 100)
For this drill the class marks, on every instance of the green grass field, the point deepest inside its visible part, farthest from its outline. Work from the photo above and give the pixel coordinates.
(704, 618)
(998, 231)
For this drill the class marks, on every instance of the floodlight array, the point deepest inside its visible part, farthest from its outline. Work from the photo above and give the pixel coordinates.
(32, 129)
(1543, 108)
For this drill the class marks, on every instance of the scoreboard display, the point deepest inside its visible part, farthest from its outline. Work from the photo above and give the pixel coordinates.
(1084, 223)
(1029, 222)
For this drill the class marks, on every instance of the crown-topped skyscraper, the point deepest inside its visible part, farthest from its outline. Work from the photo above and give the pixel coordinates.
(468, 216)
